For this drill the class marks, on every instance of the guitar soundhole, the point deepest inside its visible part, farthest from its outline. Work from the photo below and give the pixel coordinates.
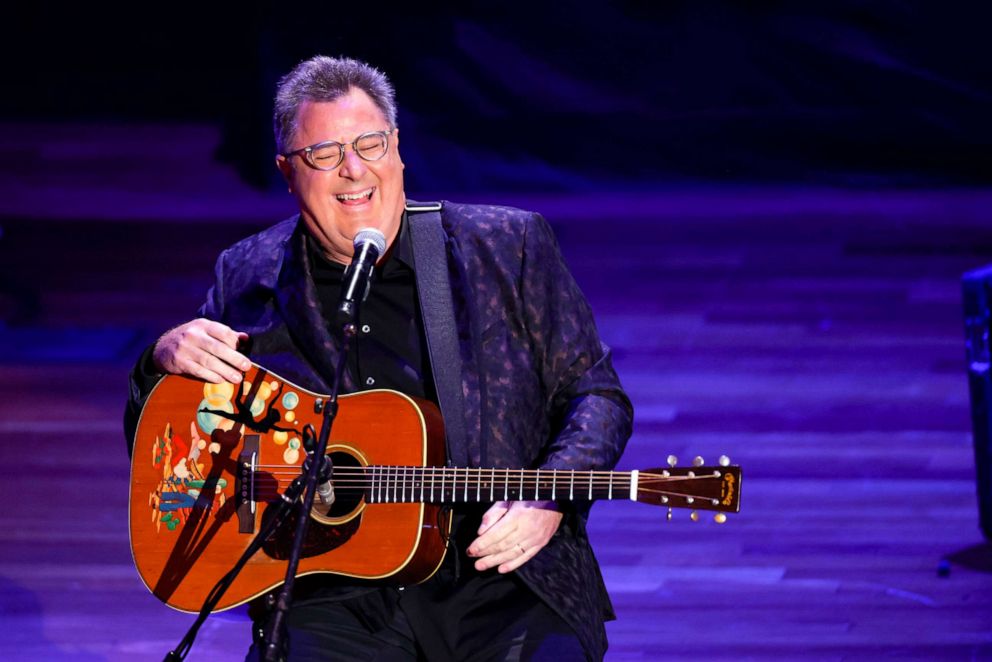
(329, 528)
(349, 494)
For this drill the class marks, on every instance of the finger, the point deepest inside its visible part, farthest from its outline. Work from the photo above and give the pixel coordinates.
(493, 542)
(222, 368)
(185, 366)
(497, 538)
(493, 515)
(221, 341)
(222, 332)
(509, 559)
(513, 564)
(236, 360)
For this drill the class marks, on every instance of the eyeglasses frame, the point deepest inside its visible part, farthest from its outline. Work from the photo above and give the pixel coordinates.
(306, 153)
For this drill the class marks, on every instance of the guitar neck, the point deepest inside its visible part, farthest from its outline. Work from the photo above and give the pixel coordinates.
(704, 488)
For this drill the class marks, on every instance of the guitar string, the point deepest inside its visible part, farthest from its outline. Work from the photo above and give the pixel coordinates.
(479, 473)
(513, 481)
(393, 483)
(395, 480)
(264, 495)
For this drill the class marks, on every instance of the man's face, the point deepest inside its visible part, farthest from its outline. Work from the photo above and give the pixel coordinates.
(329, 207)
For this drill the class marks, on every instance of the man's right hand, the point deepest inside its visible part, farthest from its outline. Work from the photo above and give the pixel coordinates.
(202, 348)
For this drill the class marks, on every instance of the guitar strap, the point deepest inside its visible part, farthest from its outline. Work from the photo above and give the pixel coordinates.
(437, 307)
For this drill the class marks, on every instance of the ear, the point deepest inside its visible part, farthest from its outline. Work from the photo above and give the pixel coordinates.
(286, 168)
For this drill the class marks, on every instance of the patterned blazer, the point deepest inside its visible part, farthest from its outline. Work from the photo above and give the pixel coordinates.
(538, 387)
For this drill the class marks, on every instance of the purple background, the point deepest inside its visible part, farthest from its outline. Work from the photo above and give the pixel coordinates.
(768, 204)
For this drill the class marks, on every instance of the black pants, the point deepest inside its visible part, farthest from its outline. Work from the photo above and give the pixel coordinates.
(459, 614)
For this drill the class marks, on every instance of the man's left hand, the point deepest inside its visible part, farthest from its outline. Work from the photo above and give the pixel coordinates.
(512, 532)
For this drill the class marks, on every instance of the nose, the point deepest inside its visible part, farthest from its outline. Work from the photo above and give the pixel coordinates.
(353, 166)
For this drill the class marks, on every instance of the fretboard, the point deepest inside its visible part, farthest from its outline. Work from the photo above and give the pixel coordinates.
(399, 484)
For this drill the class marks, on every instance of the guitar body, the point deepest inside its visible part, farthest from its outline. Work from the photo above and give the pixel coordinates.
(210, 458)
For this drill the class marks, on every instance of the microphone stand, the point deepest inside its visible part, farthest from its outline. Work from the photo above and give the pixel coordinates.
(270, 525)
(317, 468)
(275, 630)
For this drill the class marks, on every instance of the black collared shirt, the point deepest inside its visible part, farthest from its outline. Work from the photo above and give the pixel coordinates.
(390, 349)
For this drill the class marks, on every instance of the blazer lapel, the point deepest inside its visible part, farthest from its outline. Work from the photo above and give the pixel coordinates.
(296, 297)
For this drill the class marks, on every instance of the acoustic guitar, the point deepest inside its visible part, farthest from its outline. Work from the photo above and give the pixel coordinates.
(209, 459)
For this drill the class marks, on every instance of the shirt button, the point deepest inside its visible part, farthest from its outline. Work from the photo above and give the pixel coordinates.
(366, 328)
(369, 381)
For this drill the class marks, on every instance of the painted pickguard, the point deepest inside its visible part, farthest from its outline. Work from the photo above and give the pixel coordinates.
(271, 413)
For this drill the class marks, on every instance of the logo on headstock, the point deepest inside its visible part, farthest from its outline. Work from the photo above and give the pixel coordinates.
(727, 489)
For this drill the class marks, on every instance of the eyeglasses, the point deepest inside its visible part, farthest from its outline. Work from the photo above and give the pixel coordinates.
(370, 146)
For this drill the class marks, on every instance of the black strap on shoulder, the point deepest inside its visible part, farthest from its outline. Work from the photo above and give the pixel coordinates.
(434, 289)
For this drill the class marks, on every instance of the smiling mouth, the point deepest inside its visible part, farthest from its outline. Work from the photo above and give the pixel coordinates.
(355, 198)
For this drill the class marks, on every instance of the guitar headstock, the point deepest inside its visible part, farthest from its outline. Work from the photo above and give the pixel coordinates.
(699, 487)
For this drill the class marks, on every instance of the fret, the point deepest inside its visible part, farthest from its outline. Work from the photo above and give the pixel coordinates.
(422, 477)
(465, 496)
(520, 493)
(444, 472)
(371, 484)
(554, 484)
(610, 494)
(478, 487)
(506, 486)
(492, 485)
(590, 475)
(537, 484)
(633, 485)
(571, 486)
(433, 472)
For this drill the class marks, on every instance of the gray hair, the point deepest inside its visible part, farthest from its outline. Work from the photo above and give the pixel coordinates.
(323, 78)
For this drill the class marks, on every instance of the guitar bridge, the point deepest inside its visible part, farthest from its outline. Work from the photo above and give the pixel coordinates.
(244, 484)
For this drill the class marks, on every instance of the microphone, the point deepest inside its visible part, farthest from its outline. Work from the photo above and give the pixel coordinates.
(325, 486)
(369, 245)
(325, 492)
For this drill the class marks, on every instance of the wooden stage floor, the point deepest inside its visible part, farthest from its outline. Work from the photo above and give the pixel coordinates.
(814, 337)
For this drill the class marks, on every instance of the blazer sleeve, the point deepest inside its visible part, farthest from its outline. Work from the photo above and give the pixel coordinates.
(591, 416)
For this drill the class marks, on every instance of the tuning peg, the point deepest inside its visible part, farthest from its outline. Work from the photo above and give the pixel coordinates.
(720, 518)
(694, 516)
(672, 460)
(724, 461)
(698, 461)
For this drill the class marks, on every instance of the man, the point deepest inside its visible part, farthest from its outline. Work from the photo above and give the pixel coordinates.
(526, 382)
